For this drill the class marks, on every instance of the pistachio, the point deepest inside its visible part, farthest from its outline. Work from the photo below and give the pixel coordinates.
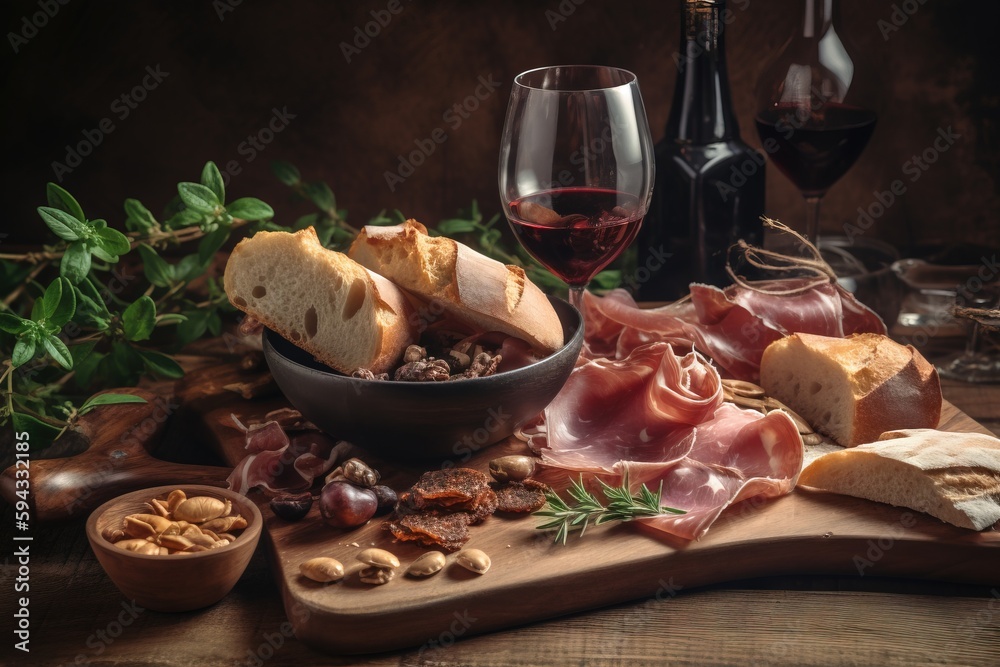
(225, 523)
(157, 506)
(322, 569)
(201, 508)
(145, 525)
(377, 575)
(378, 558)
(512, 468)
(427, 564)
(473, 560)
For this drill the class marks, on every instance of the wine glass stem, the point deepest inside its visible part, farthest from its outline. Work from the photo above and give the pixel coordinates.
(812, 218)
(576, 296)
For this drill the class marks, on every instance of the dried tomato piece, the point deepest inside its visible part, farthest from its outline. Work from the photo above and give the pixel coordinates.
(449, 530)
(526, 496)
(448, 487)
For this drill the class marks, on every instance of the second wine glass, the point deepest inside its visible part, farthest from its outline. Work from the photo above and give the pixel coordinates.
(814, 112)
(576, 168)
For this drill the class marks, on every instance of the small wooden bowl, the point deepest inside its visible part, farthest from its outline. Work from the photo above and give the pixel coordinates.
(178, 582)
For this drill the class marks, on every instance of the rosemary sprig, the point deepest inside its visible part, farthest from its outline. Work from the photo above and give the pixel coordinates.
(622, 506)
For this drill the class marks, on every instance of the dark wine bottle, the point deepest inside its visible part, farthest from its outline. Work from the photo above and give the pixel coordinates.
(709, 189)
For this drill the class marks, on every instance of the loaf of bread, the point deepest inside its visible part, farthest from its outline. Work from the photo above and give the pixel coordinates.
(321, 300)
(471, 287)
(852, 389)
(952, 476)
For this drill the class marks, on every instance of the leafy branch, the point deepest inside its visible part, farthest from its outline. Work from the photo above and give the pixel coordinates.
(92, 325)
(622, 505)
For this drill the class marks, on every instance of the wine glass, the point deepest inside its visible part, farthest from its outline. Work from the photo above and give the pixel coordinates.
(576, 168)
(980, 360)
(813, 117)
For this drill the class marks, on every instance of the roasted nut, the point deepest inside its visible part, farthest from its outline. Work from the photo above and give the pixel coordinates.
(386, 498)
(800, 423)
(414, 353)
(377, 575)
(292, 506)
(139, 546)
(512, 468)
(175, 542)
(473, 560)
(113, 534)
(145, 525)
(224, 524)
(202, 508)
(811, 438)
(359, 472)
(427, 564)
(322, 569)
(378, 558)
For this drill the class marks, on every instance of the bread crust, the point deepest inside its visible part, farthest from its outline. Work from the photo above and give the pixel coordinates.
(375, 339)
(892, 385)
(952, 476)
(484, 293)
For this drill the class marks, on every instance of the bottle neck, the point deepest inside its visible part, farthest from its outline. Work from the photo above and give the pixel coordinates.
(819, 17)
(702, 111)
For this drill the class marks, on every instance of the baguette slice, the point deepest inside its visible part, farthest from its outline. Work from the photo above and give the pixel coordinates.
(321, 300)
(852, 389)
(471, 287)
(952, 476)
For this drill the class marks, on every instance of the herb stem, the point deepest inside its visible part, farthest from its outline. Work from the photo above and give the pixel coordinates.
(16, 292)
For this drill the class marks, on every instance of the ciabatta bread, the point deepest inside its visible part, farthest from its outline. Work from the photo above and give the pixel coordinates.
(852, 389)
(952, 476)
(321, 300)
(470, 286)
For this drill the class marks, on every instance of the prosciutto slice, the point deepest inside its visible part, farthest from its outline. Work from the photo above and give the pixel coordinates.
(276, 462)
(731, 326)
(644, 401)
(656, 416)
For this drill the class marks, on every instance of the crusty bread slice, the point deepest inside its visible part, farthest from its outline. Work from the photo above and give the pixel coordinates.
(952, 476)
(852, 389)
(472, 287)
(321, 300)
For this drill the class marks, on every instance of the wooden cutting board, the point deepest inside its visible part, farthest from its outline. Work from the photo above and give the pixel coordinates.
(532, 579)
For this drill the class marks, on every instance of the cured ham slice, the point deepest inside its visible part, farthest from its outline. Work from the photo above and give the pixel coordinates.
(731, 326)
(277, 463)
(736, 455)
(657, 416)
(634, 409)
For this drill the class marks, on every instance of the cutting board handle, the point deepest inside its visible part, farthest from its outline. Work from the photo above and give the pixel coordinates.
(116, 462)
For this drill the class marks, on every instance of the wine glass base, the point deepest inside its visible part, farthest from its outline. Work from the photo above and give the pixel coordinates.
(975, 368)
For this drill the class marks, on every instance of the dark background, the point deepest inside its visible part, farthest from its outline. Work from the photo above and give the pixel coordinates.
(230, 66)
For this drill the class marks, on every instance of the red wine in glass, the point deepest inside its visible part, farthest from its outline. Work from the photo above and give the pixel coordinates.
(816, 151)
(576, 232)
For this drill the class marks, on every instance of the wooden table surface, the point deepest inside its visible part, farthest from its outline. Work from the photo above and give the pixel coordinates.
(78, 617)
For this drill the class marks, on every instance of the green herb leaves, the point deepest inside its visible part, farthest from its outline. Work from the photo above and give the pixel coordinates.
(622, 506)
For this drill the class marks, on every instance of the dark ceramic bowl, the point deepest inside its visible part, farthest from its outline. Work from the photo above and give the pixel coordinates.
(423, 420)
